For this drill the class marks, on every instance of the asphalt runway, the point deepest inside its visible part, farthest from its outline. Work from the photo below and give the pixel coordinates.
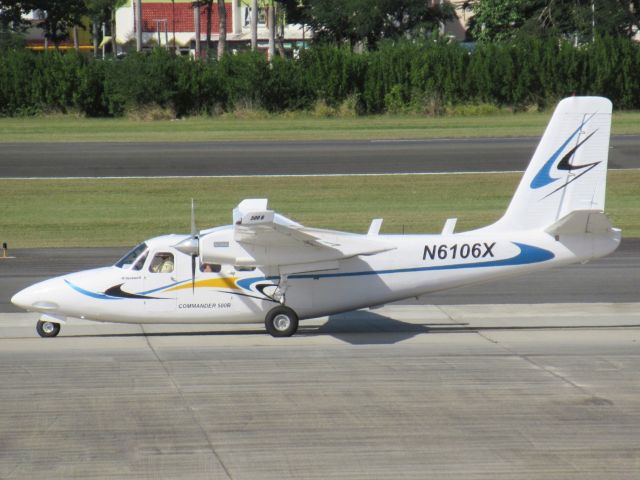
(615, 278)
(282, 158)
(470, 393)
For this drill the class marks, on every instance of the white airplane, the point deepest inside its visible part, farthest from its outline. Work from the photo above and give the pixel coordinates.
(267, 268)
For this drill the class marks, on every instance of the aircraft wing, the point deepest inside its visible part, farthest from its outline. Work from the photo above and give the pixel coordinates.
(269, 233)
(265, 228)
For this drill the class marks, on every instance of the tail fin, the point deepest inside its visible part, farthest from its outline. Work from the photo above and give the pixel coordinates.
(568, 169)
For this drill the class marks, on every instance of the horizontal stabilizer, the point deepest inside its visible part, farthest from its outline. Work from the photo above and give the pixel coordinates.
(580, 222)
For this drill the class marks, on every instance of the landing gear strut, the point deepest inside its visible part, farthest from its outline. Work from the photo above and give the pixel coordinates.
(47, 329)
(281, 322)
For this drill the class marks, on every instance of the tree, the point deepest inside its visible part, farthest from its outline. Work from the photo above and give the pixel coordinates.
(209, 5)
(12, 23)
(271, 27)
(581, 20)
(222, 36)
(370, 21)
(104, 11)
(11, 12)
(60, 16)
(254, 25)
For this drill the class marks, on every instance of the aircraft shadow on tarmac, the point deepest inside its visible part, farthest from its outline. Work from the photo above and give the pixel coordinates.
(366, 328)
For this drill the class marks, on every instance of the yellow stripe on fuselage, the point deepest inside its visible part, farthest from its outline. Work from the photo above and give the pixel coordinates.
(226, 282)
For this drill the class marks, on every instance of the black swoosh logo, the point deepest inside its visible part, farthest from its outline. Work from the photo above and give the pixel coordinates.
(564, 163)
(260, 287)
(568, 167)
(116, 291)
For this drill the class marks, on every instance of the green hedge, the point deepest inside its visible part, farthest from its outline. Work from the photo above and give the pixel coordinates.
(407, 76)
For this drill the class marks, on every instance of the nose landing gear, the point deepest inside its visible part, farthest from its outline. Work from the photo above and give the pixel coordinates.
(49, 325)
(47, 329)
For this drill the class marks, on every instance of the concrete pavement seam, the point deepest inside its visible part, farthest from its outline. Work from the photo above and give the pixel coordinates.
(528, 359)
(187, 405)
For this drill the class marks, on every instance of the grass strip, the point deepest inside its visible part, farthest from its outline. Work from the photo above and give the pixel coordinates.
(112, 212)
(284, 127)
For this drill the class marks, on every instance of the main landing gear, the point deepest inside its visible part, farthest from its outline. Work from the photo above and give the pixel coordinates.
(281, 321)
(47, 329)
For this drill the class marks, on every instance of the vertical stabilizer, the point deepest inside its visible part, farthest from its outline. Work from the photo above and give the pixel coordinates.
(568, 169)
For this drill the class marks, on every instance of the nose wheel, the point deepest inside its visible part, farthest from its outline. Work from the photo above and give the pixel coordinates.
(281, 322)
(47, 329)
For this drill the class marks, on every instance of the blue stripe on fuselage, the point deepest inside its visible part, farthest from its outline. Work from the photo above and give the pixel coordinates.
(528, 254)
(99, 296)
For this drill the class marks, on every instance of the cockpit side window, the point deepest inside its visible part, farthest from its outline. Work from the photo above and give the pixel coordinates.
(162, 263)
(140, 262)
(130, 257)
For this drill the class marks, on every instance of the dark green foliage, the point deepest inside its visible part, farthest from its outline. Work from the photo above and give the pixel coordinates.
(286, 87)
(371, 21)
(420, 77)
(334, 73)
(499, 20)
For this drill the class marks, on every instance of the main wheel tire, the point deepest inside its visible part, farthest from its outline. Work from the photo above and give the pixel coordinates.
(47, 329)
(281, 322)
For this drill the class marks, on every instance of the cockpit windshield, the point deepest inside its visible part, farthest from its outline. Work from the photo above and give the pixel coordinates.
(130, 257)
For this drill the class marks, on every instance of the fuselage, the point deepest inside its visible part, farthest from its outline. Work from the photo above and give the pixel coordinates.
(139, 289)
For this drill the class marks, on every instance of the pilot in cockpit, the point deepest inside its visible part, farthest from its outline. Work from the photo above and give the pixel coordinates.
(162, 263)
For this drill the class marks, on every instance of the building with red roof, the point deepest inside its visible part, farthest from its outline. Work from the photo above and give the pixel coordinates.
(169, 23)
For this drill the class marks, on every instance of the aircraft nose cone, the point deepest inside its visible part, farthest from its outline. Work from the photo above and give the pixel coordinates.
(35, 297)
(21, 299)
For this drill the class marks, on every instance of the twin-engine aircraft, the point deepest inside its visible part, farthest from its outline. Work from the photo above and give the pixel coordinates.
(268, 268)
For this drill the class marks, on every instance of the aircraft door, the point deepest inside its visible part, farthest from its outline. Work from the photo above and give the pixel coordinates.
(159, 277)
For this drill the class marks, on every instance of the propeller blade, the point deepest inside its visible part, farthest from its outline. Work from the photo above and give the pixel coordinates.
(193, 274)
(194, 231)
(191, 245)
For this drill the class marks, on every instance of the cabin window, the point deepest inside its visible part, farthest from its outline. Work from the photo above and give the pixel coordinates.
(210, 267)
(162, 263)
(131, 255)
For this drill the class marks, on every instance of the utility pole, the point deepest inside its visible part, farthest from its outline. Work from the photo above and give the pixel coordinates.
(138, 13)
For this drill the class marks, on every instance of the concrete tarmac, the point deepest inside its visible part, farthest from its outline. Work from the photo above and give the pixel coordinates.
(412, 392)
(113, 159)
